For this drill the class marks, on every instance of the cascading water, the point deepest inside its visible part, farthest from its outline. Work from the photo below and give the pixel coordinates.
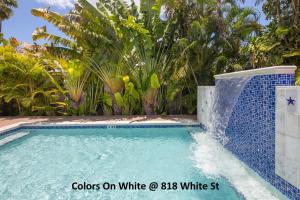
(209, 153)
(215, 161)
(227, 92)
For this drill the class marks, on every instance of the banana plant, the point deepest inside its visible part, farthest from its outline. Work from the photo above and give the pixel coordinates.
(100, 34)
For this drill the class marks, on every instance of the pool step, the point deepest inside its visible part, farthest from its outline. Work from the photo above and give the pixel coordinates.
(13, 137)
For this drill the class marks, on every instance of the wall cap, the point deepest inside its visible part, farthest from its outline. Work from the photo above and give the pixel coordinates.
(262, 71)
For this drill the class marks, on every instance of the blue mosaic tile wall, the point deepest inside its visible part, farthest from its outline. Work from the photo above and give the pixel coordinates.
(251, 128)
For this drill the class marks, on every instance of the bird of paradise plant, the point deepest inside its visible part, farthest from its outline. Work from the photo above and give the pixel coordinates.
(74, 75)
(147, 71)
(113, 82)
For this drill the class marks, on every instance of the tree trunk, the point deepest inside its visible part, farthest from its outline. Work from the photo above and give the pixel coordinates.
(150, 101)
(295, 7)
(219, 11)
(0, 26)
(278, 11)
(148, 108)
(116, 109)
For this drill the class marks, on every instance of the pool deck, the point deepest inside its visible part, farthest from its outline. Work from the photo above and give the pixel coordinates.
(11, 122)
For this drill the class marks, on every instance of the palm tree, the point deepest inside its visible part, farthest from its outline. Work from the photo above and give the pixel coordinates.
(6, 10)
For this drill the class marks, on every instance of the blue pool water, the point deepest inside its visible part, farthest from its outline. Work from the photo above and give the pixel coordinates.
(45, 163)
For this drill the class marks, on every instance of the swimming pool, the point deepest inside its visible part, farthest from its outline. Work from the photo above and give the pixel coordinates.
(52, 163)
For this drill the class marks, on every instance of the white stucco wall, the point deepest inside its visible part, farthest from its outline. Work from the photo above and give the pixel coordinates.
(205, 104)
(287, 144)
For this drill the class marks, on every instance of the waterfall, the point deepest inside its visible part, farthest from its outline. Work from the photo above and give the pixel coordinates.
(216, 161)
(227, 92)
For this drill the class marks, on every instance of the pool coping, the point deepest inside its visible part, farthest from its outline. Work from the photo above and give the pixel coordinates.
(69, 125)
(7, 123)
(283, 69)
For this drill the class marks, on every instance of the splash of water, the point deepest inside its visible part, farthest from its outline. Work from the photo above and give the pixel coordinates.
(215, 161)
(227, 92)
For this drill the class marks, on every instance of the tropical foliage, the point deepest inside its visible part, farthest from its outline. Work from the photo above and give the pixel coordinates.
(6, 10)
(279, 43)
(121, 58)
(25, 87)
